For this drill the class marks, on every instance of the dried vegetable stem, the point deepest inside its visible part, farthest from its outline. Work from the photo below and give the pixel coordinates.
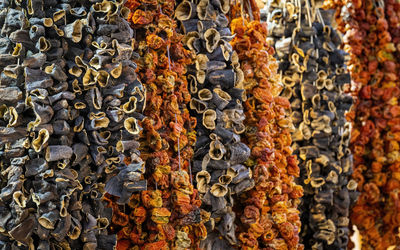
(268, 212)
(372, 38)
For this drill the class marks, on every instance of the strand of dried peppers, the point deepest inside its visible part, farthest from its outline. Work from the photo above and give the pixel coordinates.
(268, 212)
(167, 215)
(315, 76)
(68, 99)
(372, 38)
(215, 83)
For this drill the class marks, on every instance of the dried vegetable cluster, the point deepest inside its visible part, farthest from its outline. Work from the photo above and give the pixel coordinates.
(372, 38)
(216, 86)
(269, 218)
(166, 215)
(314, 75)
(69, 98)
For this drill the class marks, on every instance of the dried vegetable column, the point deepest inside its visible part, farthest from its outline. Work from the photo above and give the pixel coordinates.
(68, 97)
(372, 38)
(215, 83)
(315, 76)
(167, 215)
(268, 212)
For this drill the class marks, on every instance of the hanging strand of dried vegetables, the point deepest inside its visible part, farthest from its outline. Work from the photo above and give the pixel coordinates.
(71, 121)
(372, 38)
(268, 212)
(167, 215)
(215, 83)
(315, 76)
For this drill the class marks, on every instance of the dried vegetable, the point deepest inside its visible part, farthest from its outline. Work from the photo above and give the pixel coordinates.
(314, 75)
(216, 87)
(372, 38)
(69, 98)
(268, 213)
(167, 214)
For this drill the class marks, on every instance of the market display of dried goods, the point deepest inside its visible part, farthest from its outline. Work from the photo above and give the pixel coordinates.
(167, 215)
(69, 102)
(199, 124)
(372, 38)
(216, 87)
(314, 77)
(268, 213)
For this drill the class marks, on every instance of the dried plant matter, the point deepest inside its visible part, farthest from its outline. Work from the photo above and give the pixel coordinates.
(372, 38)
(216, 88)
(268, 213)
(167, 215)
(315, 77)
(69, 101)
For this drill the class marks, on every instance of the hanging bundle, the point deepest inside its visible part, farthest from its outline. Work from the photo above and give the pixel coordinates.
(66, 80)
(215, 83)
(314, 77)
(268, 213)
(167, 215)
(372, 38)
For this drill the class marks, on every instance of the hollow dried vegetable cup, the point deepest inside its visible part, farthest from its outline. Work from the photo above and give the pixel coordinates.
(314, 77)
(372, 38)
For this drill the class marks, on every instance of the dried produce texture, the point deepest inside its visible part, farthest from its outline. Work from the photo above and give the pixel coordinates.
(167, 214)
(268, 213)
(372, 38)
(68, 100)
(314, 75)
(216, 88)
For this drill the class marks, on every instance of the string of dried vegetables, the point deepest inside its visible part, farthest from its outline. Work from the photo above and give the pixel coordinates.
(69, 99)
(372, 38)
(314, 75)
(217, 94)
(167, 215)
(268, 212)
